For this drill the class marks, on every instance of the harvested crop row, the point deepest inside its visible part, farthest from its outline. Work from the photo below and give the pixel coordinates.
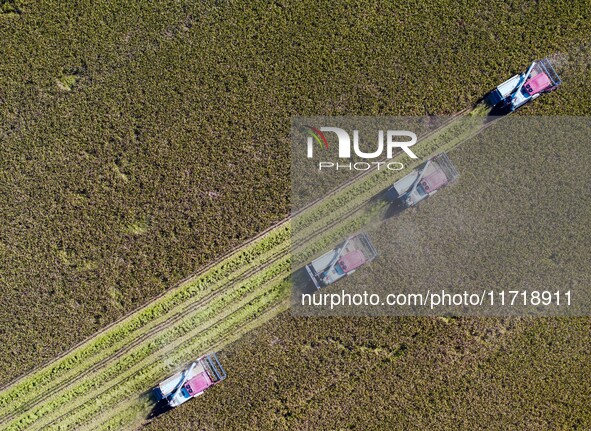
(165, 341)
(133, 411)
(336, 229)
(136, 337)
(195, 287)
(135, 383)
(213, 276)
(342, 201)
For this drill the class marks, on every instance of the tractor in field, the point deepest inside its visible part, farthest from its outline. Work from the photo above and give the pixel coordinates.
(539, 78)
(191, 382)
(423, 182)
(341, 261)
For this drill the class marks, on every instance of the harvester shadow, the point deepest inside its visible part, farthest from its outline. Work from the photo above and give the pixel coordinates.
(160, 406)
(302, 284)
(392, 210)
(498, 111)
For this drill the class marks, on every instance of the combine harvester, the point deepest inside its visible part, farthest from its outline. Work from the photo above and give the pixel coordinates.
(192, 382)
(358, 250)
(539, 78)
(423, 182)
(341, 261)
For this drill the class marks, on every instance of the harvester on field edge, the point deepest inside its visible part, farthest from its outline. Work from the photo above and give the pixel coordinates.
(191, 382)
(539, 78)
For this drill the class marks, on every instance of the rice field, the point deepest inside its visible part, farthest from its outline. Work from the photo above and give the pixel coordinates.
(141, 142)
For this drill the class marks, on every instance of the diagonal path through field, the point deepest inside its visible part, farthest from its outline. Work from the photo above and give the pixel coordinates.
(98, 383)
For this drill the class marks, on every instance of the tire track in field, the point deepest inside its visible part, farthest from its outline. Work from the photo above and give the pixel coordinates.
(130, 404)
(204, 300)
(181, 345)
(238, 303)
(179, 314)
(211, 265)
(337, 221)
(357, 208)
(209, 297)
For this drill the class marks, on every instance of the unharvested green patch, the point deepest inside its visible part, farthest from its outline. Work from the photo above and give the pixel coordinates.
(137, 228)
(66, 82)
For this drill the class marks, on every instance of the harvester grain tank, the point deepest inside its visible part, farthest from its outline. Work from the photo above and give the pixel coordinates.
(539, 78)
(191, 382)
(341, 261)
(423, 182)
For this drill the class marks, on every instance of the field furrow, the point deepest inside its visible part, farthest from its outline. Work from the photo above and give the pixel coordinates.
(97, 384)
